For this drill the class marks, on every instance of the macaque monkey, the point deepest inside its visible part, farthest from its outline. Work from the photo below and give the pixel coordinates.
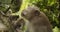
(38, 21)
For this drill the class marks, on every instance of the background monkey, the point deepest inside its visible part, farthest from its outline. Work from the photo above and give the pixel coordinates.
(38, 21)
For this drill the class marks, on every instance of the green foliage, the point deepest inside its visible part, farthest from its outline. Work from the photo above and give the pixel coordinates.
(4, 4)
(13, 5)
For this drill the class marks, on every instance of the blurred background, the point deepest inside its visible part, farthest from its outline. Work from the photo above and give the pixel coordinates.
(15, 7)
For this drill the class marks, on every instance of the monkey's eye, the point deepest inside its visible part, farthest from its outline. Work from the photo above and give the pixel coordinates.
(37, 13)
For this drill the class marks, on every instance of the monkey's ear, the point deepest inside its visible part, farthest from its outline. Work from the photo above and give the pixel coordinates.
(37, 13)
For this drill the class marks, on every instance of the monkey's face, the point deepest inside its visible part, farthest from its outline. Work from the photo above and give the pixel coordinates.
(30, 12)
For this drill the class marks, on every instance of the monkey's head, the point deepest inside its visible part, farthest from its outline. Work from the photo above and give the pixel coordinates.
(30, 12)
